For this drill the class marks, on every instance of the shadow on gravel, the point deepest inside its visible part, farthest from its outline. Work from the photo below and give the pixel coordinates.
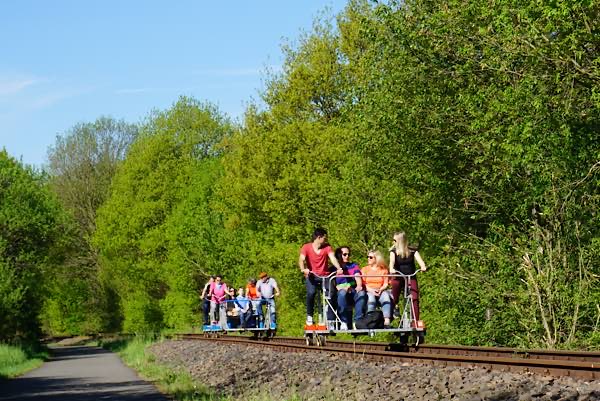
(52, 389)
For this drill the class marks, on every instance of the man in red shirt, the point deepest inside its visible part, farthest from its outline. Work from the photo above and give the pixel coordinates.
(313, 264)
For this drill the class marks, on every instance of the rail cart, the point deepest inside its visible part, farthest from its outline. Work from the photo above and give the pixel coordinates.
(407, 328)
(259, 328)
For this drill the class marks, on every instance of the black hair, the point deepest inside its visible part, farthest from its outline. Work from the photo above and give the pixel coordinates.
(339, 254)
(319, 232)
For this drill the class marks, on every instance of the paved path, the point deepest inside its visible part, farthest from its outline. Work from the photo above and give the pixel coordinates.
(80, 374)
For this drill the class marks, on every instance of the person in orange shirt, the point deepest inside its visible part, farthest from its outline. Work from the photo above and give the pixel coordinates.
(252, 295)
(374, 276)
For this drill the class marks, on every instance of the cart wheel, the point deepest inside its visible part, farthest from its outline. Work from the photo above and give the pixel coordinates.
(403, 339)
(419, 339)
(320, 340)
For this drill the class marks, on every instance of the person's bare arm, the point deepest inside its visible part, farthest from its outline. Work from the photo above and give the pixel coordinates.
(420, 261)
(302, 265)
(276, 286)
(385, 284)
(335, 262)
(392, 262)
(359, 283)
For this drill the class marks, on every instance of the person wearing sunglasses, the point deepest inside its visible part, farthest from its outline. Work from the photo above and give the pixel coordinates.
(350, 289)
(376, 282)
(313, 264)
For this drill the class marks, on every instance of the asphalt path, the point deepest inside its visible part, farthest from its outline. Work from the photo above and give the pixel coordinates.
(80, 374)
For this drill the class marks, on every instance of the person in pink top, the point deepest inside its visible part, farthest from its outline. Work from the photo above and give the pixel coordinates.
(313, 264)
(218, 292)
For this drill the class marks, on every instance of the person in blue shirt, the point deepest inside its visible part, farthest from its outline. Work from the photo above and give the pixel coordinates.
(242, 303)
(350, 290)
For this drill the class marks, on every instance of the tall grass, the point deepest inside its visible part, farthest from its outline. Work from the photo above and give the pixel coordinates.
(16, 360)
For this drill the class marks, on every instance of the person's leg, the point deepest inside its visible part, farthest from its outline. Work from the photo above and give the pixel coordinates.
(206, 311)
(311, 290)
(371, 302)
(397, 291)
(213, 312)
(414, 292)
(242, 315)
(223, 315)
(261, 318)
(331, 295)
(271, 303)
(360, 301)
(342, 303)
(259, 310)
(386, 305)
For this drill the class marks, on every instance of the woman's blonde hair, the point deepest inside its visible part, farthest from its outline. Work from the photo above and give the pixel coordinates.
(400, 244)
(379, 259)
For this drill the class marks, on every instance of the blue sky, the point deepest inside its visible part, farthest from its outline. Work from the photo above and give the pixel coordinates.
(65, 62)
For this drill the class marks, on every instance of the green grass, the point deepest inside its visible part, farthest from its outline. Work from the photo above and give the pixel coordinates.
(177, 383)
(16, 360)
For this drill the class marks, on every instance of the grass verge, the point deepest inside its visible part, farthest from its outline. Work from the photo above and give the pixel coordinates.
(176, 383)
(18, 359)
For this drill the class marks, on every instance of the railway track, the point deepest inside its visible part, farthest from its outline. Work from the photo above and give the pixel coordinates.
(577, 364)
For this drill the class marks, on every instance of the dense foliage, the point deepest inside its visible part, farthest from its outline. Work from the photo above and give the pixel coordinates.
(81, 166)
(471, 126)
(31, 228)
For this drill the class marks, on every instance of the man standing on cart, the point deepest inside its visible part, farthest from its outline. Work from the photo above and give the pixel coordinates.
(313, 264)
(267, 289)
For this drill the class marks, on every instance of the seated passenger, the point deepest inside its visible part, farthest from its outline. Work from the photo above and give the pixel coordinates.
(233, 320)
(349, 289)
(376, 282)
(243, 306)
(252, 295)
(267, 290)
(218, 295)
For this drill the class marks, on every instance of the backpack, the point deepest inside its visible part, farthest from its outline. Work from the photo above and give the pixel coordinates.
(372, 320)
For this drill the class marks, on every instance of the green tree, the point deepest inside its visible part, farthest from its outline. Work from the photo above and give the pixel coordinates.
(132, 225)
(31, 226)
(81, 165)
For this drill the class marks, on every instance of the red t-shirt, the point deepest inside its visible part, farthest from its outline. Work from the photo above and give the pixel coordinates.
(317, 263)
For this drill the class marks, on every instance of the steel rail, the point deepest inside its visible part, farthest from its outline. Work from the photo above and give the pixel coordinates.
(577, 364)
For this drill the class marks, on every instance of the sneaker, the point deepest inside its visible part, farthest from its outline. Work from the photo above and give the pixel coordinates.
(309, 320)
(343, 326)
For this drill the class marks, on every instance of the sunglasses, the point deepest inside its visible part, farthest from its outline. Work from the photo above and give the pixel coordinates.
(345, 254)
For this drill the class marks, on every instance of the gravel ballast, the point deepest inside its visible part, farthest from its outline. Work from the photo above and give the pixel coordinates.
(243, 371)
